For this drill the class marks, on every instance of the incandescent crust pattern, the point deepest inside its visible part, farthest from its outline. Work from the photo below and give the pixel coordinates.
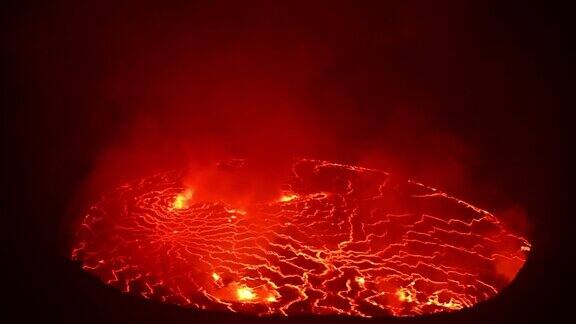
(340, 240)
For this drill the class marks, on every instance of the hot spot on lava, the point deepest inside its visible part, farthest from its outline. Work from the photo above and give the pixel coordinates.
(335, 240)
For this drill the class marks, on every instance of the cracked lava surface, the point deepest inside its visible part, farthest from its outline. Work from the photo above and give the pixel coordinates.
(339, 240)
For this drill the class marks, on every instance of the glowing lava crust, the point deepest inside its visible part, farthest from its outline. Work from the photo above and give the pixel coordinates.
(342, 240)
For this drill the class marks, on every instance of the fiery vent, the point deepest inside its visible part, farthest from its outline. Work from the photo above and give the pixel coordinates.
(340, 240)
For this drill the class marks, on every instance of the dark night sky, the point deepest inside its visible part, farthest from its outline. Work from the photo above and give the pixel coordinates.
(471, 97)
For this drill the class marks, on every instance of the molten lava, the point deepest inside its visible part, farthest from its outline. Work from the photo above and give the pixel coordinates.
(341, 240)
(182, 199)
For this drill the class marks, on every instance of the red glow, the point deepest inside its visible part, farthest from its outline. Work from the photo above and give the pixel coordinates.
(339, 240)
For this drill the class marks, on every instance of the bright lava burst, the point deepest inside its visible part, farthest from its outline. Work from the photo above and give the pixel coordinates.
(342, 240)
